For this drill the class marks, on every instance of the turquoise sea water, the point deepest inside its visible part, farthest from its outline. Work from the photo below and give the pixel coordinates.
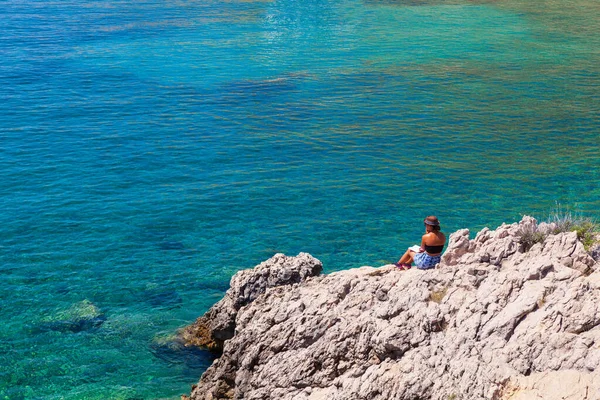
(149, 150)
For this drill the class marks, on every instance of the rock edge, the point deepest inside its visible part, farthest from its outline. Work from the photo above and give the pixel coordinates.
(218, 324)
(494, 321)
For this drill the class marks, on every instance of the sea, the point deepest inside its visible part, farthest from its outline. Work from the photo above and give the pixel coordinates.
(151, 149)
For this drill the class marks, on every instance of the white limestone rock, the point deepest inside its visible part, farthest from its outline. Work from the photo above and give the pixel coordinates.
(485, 324)
(554, 385)
(218, 324)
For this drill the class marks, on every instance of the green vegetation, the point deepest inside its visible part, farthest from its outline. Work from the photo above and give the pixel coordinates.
(565, 221)
(528, 236)
(587, 233)
(559, 220)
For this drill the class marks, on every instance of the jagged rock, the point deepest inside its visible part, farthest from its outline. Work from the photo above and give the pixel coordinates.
(218, 324)
(595, 252)
(492, 317)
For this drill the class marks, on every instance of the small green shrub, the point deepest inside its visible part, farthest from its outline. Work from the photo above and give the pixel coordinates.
(587, 233)
(565, 221)
(561, 220)
(530, 235)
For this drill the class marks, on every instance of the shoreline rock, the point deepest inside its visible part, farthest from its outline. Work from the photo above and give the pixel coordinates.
(494, 320)
(218, 324)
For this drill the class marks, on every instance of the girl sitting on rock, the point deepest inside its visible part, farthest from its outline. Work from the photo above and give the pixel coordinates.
(430, 252)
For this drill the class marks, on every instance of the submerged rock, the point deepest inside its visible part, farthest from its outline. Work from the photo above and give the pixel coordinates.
(492, 322)
(79, 317)
(163, 297)
(171, 350)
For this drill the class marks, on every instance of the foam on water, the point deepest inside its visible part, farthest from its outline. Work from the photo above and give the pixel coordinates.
(151, 150)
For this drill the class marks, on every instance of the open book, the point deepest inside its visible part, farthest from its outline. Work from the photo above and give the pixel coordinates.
(416, 248)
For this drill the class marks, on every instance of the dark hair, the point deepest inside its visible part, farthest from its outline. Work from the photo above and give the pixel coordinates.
(433, 222)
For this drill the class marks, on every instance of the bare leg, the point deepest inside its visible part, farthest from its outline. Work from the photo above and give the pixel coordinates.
(407, 258)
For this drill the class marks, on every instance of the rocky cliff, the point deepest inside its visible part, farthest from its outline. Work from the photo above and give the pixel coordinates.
(500, 318)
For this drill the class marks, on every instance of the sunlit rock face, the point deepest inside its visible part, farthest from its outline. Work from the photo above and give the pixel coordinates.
(498, 316)
(219, 323)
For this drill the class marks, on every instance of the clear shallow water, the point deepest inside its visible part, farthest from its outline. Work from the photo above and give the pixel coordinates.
(149, 151)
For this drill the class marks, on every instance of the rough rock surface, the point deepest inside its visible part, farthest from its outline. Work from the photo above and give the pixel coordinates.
(218, 324)
(495, 320)
(554, 385)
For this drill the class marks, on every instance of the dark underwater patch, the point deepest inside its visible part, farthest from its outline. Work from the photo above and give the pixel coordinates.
(171, 245)
(417, 3)
(163, 297)
(171, 351)
(73, 326)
